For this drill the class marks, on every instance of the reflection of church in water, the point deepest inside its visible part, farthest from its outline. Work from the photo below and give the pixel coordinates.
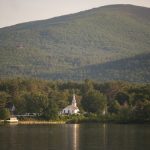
(72, 137)
(77, 137)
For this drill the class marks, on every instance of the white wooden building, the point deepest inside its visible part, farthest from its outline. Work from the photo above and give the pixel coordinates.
(71, 109)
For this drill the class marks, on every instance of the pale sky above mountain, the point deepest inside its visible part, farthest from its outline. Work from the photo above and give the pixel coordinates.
(18, 11)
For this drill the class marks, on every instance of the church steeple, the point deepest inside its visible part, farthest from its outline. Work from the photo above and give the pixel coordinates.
(73, 108)
(74, 103)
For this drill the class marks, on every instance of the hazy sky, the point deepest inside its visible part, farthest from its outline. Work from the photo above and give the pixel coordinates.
(17, 11)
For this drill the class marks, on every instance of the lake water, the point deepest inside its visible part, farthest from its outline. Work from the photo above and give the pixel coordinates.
(75, 137)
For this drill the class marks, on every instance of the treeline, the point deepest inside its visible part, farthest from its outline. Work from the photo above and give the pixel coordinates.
(120, 101)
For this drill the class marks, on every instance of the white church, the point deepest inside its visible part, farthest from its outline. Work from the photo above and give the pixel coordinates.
(71, 109)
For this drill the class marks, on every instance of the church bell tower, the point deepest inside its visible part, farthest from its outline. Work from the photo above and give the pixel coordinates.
(74, 103)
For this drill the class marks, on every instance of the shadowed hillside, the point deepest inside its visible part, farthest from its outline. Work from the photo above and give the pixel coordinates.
(134, 69)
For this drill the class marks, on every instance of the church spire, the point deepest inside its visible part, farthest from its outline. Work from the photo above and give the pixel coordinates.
(74, 103)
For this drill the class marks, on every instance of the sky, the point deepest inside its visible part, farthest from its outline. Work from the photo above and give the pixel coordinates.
(18, 11)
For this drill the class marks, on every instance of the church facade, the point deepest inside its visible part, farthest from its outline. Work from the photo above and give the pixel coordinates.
(71, 109)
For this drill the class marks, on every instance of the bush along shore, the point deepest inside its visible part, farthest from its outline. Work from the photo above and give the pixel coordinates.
(81, 119)
(115, 101)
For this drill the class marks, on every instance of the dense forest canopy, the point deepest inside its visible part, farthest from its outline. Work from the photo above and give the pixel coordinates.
(124, 100)
(106, 43)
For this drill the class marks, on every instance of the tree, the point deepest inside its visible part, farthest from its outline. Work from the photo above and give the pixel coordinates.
(122, 98)
(146, 110)
(4, 113)
(3, 99)
(51, 112)
(60, 98)
(87, 86)
(21, 105)
(36, 103)
(140, 94)
(114, 107)
(94, 102)
(142, 110)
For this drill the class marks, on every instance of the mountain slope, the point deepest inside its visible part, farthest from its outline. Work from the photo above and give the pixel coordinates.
(50, 47)
(134, 69)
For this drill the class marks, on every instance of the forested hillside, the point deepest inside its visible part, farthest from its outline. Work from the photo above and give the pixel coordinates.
(98, 43)
(129, 69)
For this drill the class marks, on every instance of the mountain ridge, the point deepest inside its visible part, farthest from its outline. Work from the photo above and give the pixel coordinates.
(83, 11)
(91, 37)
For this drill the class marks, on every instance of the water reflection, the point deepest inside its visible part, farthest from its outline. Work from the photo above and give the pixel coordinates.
(75, 132)
(73, 137)
(104, 127)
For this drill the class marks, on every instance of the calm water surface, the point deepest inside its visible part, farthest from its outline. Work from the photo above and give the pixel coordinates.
(75, 137)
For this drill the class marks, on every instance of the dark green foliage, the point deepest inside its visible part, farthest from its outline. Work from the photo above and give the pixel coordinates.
(36, 103)
(87, 86)
(106, 43)
(94, 102)
(125, 116)
(146, 110)
(142, 110)
(3, 99)
(114, 107)
(139, 94)
(4, 113)
(51, 111)
(122, 98)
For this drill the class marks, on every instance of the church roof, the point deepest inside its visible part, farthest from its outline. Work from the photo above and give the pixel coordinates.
(71, 107)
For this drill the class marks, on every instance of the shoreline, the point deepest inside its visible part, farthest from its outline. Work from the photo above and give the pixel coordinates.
(33, 122)
(44, 122)
(40, 122)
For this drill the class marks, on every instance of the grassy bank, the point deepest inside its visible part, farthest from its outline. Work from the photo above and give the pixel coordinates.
(110, 118)
(90, 118)
(84, 118)
(40, 122)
